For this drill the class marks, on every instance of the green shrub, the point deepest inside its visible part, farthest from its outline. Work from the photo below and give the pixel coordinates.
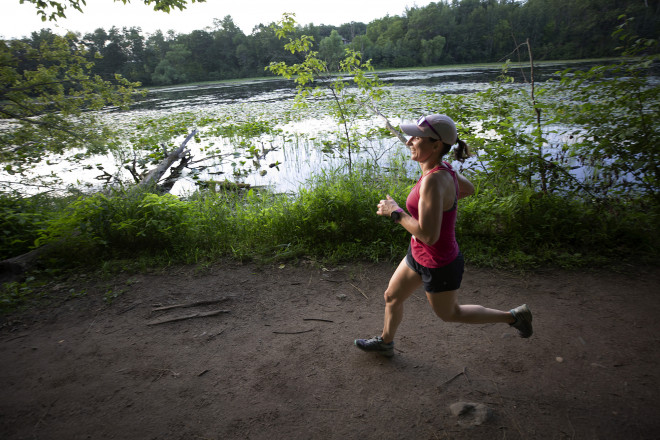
(527, 229)
(21, 218)
(333, 218)
(127, 222)
(337, 218)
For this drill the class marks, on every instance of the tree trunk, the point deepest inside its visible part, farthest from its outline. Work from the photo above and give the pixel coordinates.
(13, 269)
(154, 175)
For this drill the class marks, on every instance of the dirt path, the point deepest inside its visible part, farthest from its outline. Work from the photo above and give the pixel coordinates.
(281, 364)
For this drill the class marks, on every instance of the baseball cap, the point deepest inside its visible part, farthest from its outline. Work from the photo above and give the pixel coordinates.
(435, 126)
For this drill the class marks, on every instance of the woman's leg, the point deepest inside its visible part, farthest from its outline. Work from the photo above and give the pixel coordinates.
(403, 283)
(445, 305)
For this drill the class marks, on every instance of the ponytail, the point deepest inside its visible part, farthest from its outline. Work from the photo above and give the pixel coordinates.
(461, 152)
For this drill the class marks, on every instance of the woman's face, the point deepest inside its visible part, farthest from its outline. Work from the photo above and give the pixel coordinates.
(422, 149)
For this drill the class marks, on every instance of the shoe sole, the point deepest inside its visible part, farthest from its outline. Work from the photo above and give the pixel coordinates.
(388, 353)
(525, 315)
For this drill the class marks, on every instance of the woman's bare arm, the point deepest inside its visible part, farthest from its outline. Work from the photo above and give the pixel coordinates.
(465, 187)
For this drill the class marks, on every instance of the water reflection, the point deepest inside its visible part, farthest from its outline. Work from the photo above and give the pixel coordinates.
(463, 80)
(216, 93)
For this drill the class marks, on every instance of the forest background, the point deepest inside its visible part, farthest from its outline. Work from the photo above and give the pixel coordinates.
(441, 33)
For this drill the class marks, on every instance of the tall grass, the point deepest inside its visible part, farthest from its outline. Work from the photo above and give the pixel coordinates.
(332, 218)
(528, 230)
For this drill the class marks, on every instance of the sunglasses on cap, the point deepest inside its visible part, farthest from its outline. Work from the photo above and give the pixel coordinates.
(422, 120)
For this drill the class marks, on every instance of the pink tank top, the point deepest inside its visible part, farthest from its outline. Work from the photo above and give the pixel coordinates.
(445, 250)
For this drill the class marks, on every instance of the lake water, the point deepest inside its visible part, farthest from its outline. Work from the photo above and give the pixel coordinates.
(286, 159)
(455, 81)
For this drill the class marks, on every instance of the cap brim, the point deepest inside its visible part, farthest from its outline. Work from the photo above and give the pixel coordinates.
(412, 129)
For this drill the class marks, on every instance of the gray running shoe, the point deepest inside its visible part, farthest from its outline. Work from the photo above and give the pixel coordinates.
(523, 323)
(376, 345)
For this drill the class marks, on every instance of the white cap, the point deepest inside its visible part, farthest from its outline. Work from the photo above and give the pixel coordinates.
(435, 126)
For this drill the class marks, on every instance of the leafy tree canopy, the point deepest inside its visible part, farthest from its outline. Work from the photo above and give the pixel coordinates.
(47, 93)
(53, 10)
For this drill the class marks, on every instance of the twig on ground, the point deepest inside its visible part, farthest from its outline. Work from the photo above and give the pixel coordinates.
(195, 315)
(163, 371)
(192, 304)
(571, 425)
(455, 376)
(293, 333)
(317, 319)
(19, 337)
(128, 308)
(359, 290)
(332, 281)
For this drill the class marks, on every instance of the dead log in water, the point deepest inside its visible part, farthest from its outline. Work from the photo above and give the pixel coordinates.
(153, 176)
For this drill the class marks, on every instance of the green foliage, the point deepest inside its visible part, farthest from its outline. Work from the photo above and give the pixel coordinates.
(46, 92)
(21, 219)
(525, 229)
(336, 216)
(461, 31)
(333, 217)
(348, 103)
(128, 222)
(305, 72)
(331, 50)
(16, 294)
(174, 67)
(616, 111)
(53, 10)
(592, 135)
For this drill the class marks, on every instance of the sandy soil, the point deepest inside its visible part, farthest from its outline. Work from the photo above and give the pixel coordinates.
(277, 361)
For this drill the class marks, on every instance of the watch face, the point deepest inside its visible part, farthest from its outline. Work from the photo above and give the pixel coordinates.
(396, 216)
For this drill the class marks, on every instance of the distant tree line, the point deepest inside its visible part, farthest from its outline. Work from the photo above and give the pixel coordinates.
(445, 32)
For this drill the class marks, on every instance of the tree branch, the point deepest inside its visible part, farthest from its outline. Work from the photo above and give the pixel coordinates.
(154, 175)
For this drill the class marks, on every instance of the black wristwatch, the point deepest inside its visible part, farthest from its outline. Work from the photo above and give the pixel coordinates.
(396, 215)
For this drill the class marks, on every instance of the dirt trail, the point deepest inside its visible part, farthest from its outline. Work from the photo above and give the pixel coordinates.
(280, 363)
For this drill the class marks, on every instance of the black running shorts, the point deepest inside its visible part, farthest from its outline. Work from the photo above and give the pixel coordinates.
(440, 279)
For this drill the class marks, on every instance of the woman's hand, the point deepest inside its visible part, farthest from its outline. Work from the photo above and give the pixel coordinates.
(387, 207)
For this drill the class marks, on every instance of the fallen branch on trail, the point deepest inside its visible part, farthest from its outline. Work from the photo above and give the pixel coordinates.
(14, 269)
(464, 373)
(359, 290)
(154, 175)
(194, 315)
(192, 304)
(294, 333)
